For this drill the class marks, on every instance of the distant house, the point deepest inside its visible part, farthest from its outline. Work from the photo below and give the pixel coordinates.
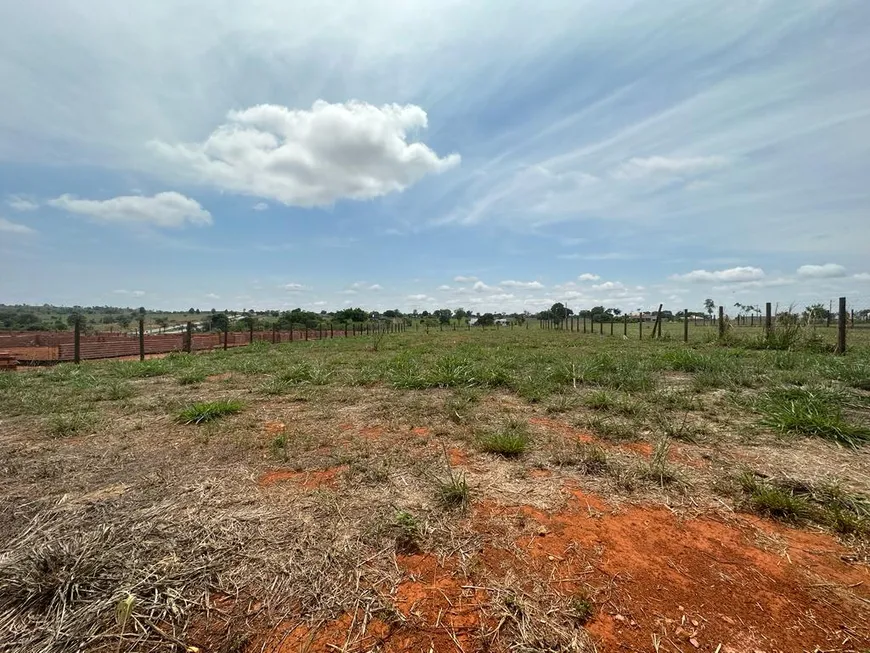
(503, 321)
(472, 321)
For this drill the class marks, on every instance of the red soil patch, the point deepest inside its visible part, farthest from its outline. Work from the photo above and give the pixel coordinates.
(699, 579)
(371, 431)
(457, 456)
(421, 431)
(437, 613)
(307, 479)
(540, 473)
(562, 428)
(274, 428)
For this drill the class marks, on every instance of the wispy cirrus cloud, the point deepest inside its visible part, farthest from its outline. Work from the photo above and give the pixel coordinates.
(731, 275)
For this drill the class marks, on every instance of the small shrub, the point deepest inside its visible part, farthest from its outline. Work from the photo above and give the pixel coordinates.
(207, 411)
(512, 440)
(460, 404)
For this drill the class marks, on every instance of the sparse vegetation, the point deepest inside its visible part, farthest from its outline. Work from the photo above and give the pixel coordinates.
(207, 411)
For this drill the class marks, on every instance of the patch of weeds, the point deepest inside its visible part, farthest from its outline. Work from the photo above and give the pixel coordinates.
(68, 424)
(406, 530)
(460, 404)
(610, 428)
(279, 445)
(562, 403)
(276, 386)
(147, 369)
(115, 391)
(592, 459)
(600, 400)
(581, 609)
(191, 377)
(677, 400)
(207, 411)
(818, 413)
(679, 429)
(658, 468)
(510, 440)
(453, 492)
(772, 500)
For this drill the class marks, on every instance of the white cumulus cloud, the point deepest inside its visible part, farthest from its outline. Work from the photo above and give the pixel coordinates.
(417, 298)
(731, 275)
(260, 206)
(9, 227)
(134, 293)
(463, 279)
(350, 150)
(168, 209)
(862, 276)
(529, 285)
(376, 286)
(637, 168)
(293, 287)
(826, 271)
(588, 276)
(609, 285)
(444, 287)
(211, 295)
(479, 286)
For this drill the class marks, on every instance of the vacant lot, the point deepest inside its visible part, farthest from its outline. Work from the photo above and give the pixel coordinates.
(519, 490)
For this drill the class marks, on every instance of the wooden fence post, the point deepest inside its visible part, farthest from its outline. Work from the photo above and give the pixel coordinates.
(77, 340)
(625, 326)
(768, 323)
(685, 325)
(584, 324)
(611, 326)
(600, 325)
(657, 325)
(188, 337)
(251, 332)
(331, 330)
(640, 327)
(841, 327)
(141, 339)
(721, 321)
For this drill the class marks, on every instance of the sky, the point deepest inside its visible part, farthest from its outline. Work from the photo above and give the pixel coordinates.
(491, 155)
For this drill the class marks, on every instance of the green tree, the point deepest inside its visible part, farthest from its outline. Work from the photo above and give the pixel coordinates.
(709, 304)
(487, 319)
(460, 314)
(162, 322)
(559, 312)
(443, 315)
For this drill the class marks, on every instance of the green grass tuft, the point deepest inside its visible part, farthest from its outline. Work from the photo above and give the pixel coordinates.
(512, 440)
(207, 411)
(806, 412)
(69, 424)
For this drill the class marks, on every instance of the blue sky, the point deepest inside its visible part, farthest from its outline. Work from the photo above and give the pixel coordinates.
(405, 154)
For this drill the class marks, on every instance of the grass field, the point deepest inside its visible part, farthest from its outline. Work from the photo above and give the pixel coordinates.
(513, 490)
